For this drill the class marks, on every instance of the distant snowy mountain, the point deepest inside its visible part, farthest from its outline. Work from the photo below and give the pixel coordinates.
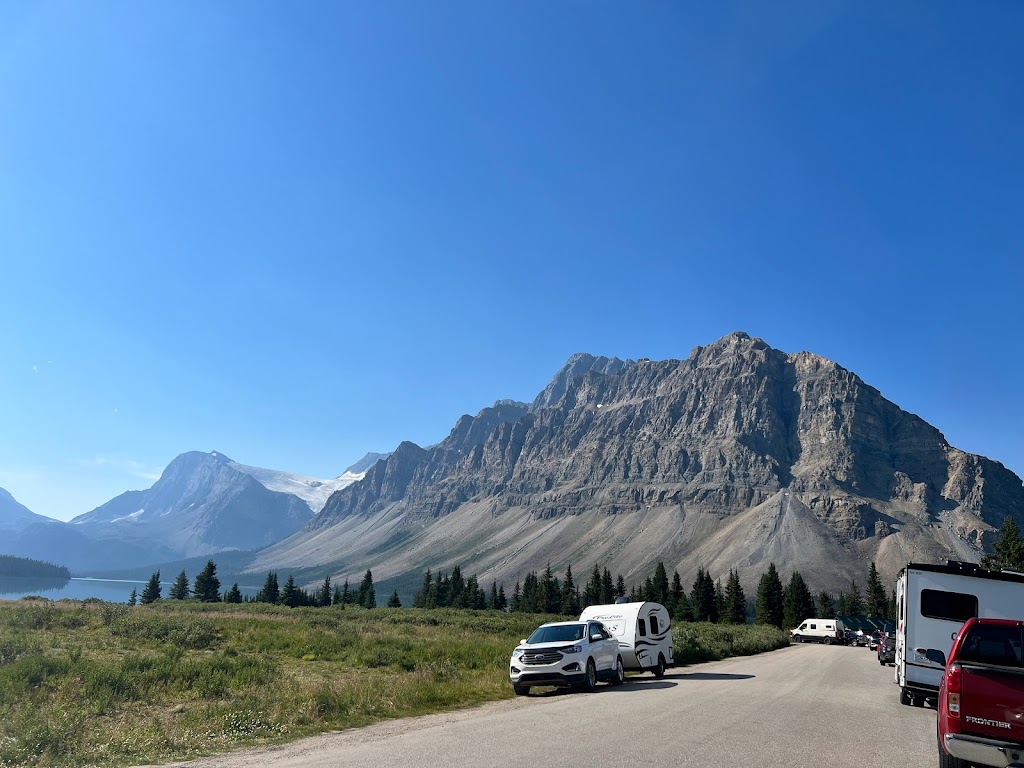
(359, 469)
(202, 503)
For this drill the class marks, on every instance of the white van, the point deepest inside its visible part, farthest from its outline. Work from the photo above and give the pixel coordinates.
(932, 603)
(825, 631)
(644, 632)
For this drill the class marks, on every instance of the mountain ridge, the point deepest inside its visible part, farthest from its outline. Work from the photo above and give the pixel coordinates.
(793, 445)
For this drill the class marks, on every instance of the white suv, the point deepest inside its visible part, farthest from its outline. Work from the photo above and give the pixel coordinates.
(566, 653)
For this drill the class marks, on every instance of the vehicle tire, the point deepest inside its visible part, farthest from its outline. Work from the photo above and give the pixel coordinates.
(659, 670)
(827, 641)
(906, 699)
(590, 681)
(881, 663)
(521, 690)
(798, 639)
(946, 760)
(620, 674)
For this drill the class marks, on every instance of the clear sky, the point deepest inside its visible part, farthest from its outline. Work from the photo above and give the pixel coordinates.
(298, 232)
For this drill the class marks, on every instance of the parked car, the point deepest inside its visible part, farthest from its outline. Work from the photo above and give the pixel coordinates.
(887, 649)
(873, 640)
(566, 653)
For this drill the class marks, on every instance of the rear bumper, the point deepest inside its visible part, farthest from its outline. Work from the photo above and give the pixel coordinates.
(975, 749)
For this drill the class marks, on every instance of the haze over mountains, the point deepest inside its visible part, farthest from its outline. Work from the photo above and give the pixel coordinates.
(202, 504)
(735, 457)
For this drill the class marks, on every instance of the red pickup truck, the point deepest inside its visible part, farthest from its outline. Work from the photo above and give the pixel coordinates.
(981, 697)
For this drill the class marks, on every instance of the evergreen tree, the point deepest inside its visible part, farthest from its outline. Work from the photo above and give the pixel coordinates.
(826, 607)
(620, 587)
(151, 592)
(346, 594)
(336, 599)
(856, 604)
(797, 602)
(367, 597)
(290, 595)
(770, 598)
(233, 595)
(592, 592)
(675, 594)
(570, 598)
(516, 604)
(607, 588)
(1008, 549)
(719, 601)
(206, 588)
(424, 597)
(393, 601)
(179, 589)
(492, 600)
(269, 592)
(133, 598)
(660, 583)
(843, 604)
(877, 600)
(502, 601)
(735, 600)
(702, 599)
(324, 595)
(684, 611)
(891, 611)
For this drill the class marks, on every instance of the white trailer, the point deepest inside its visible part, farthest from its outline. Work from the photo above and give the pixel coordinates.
(932, 603)
(644, 632)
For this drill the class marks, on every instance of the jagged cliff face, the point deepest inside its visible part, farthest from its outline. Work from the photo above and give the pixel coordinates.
(737, 456)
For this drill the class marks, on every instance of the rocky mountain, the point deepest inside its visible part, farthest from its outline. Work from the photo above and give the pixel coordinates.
(312, 490)
(737, 456)
(202, 503)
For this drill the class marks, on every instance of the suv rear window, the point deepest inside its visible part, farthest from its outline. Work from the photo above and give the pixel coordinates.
(987, 644)
(951, 606)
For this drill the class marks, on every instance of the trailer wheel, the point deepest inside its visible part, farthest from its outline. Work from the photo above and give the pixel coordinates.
(659, 670)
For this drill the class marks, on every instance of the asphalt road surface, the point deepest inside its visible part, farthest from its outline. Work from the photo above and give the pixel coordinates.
(808, 705)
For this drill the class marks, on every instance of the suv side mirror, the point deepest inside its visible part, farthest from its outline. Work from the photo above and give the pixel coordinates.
(522, 642)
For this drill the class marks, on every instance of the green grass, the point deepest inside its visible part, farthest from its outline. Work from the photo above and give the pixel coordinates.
(100, 684)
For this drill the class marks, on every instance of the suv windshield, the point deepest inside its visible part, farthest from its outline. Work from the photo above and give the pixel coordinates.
(563, 633)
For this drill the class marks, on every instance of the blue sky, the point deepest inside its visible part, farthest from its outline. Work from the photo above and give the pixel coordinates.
(298, 232)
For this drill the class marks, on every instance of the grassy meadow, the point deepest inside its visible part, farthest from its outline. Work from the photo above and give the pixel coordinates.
(104, 684)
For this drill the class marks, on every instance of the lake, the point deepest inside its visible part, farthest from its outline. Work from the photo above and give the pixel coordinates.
(111, 590)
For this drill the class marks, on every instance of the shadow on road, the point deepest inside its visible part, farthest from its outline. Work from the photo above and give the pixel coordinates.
(711, 676)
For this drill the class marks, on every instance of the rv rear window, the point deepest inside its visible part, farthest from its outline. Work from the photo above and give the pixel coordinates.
(951, 606)
(654, 625)
(642, 626)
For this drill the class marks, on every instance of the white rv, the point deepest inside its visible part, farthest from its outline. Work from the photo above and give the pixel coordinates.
(932, 603)
(644, 632)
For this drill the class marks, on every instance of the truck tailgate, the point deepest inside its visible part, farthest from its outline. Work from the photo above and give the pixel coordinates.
(992, 702)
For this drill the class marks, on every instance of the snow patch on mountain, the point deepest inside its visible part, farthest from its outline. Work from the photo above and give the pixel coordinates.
(313, 490)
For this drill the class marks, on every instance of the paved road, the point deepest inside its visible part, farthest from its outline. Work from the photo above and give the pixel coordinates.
(808, 705)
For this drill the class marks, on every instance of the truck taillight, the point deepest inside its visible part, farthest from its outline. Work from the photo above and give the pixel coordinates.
(953, 686)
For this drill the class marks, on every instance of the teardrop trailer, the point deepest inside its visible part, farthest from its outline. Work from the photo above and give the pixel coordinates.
(644, 632)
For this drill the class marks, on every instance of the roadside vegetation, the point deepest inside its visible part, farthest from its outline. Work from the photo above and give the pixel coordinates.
(102, 684)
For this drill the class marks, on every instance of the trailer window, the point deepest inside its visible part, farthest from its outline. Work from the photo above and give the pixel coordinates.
(951, 606)
(641, 625)
(654, 625)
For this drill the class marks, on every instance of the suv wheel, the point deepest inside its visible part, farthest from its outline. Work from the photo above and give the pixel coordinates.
(521, 690)
(620, 674)
(590, 681)
(659, 670)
